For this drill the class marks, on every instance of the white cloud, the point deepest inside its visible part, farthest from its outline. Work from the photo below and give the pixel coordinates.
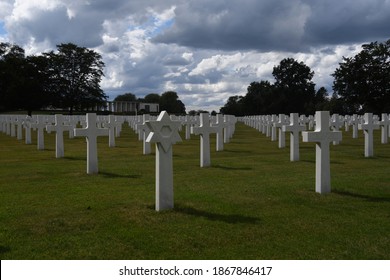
(204, 50)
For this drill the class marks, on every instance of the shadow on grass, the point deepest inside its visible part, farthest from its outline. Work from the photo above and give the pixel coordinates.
(74, 158)
(230, 168)
(314, 161)
(113, 175)
(238, 151)
(362, 196)
(231, 219)
(4, 249)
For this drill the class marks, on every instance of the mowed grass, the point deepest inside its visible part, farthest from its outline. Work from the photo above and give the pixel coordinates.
(252, 203)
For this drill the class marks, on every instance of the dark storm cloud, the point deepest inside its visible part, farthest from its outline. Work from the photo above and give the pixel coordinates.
(276, 24)
(55, 26)
(348, 21)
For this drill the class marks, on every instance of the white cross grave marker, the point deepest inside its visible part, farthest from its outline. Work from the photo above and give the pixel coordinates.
(19, 130)
(40, 125)
(188, 122)
(384, 124)
(355, 125)
(219, 125)
(164, 132)
(144, 130)
(368, 127)
(322, 136)
(204, 130)
(294, 128)
(282, 134)
(27, 127)
(91, 132)
(59, 128)
(111, 130)
(336, 124)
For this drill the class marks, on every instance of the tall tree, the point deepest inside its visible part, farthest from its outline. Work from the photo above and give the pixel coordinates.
(12, 63)
(152, 98)
(261, 98)
(363, 81)
(76, 72)
(293, 79)
(126, 97)
(234, 106)
(35, 87)
(169, 101)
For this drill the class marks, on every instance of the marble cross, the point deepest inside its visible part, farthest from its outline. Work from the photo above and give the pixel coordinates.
(322, 136)
(204, 130)
(91, 132)
(188, 122)
(164, 132)
(219, 125)
(144, 131)
(40, 125)
(274, 120)
(384, 124)
(336, 124)
(282, 134)
(111, 124)
(355, 125)
(368, 127)
(59, 128)
(294, 128)
(27, 127)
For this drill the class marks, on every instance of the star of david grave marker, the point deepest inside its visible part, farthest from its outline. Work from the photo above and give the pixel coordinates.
(164, 132)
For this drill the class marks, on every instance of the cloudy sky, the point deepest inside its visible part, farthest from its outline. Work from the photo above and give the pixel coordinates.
(204, 50)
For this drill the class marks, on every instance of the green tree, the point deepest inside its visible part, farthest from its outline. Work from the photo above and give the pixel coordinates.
(169, 101)
(363, 81)
(234, 106)
(321, 100)
(34, 89)
(12, 62)
(152, 98)
(126, 97)
(76, 72)
(293, 80)
(261, 98)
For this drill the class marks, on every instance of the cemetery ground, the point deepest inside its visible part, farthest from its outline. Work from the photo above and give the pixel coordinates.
(252, 203)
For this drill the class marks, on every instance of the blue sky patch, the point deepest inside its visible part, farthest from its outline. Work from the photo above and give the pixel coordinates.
(2, 28)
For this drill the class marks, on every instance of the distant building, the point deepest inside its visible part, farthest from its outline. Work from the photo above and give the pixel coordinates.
(130, 107)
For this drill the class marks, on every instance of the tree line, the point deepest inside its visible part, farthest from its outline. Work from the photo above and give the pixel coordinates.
(168, 101)
(69, 78)
(361, 84)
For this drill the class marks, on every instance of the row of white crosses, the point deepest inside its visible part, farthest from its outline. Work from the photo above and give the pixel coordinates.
(163, 131)
(322, 135)
(336, 122)
(222, 126)
(59, 125)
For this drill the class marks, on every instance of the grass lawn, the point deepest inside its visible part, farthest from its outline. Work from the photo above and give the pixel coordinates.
(253, 203)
